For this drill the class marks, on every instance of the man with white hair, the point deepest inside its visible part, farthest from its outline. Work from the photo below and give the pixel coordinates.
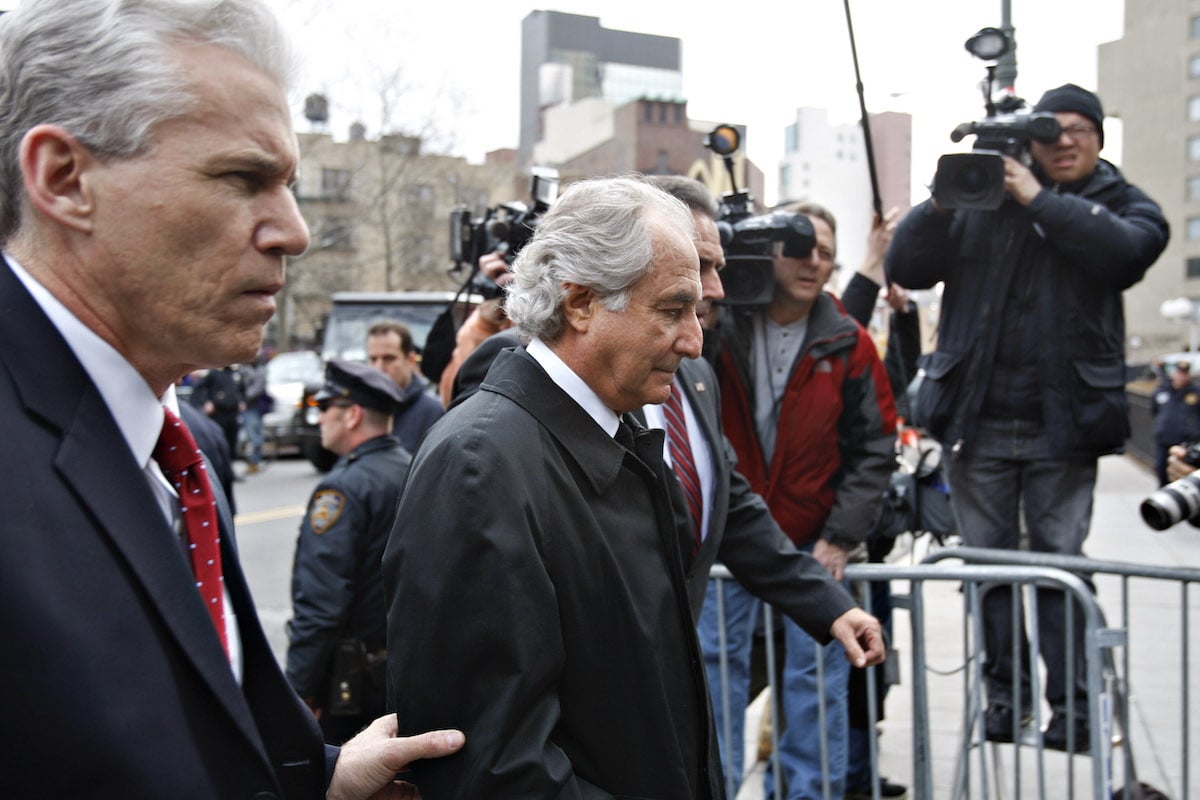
(550, 566)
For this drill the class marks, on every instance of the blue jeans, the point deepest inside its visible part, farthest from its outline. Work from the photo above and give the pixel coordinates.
(1009, 468)
(800, 745)
(741, 616)
(252, 424)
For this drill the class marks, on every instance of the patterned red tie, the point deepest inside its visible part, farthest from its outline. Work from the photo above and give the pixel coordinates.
(182, 464)
(682, 461)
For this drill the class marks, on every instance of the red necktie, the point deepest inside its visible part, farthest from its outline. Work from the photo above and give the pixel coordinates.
(182, 464)
(682, 461)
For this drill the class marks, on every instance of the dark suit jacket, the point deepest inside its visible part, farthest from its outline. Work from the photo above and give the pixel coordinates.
(743, 536)
(115, 684)
(741, 533)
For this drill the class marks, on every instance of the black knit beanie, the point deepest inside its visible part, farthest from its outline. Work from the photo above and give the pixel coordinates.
(1070, 97)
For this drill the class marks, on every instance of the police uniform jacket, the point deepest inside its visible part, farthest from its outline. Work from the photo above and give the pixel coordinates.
(1176, 414)
(541, 606)
(337, 589)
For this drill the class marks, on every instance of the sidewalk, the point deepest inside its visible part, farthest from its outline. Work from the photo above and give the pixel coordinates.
(1118, 534)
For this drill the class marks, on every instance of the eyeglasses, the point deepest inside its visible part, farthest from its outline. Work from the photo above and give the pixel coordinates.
(1078, 132)
(329, 402)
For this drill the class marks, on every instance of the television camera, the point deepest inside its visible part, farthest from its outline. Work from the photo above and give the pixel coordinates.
(975, 180)
(746, 238)
(504, 228)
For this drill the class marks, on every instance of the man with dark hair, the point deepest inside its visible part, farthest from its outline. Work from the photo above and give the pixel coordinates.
(1026, 388)
(146, 167)
(807, 406)
(737, 528)
(390, 350)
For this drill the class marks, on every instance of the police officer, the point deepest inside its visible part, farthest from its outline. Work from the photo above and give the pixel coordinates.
(1176, 411)
(336, 656)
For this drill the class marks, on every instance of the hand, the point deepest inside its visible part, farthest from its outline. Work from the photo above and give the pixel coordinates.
(832, 557)
(877, 244)
(897, 298)
(495, 267)
(1176, 466)
(861, 635)
(1019, 181)
(367, 766)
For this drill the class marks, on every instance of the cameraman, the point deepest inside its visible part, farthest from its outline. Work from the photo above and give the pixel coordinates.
(1026, 388)
(486, 319)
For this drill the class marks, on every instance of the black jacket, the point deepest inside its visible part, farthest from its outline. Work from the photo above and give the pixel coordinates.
(541, 606)
(1081, 246)
(337, 589)
(110, 655)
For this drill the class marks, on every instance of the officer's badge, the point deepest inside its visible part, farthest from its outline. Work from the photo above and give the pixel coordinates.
(325, 509)
(1191, 398)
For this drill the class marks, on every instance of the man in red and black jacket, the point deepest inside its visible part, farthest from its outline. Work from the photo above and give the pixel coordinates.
(808, 408)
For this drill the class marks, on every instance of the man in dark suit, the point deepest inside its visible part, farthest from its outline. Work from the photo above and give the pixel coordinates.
(146, 155)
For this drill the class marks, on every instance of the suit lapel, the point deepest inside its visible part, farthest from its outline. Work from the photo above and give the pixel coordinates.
(95, 462)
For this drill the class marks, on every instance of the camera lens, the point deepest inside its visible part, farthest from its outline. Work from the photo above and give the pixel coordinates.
(1172, 503)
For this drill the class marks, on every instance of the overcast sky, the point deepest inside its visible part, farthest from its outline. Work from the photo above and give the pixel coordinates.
(459, 62)
(455, 65)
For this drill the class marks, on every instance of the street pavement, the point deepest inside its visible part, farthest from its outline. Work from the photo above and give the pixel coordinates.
(1158, 682)
(271, 505)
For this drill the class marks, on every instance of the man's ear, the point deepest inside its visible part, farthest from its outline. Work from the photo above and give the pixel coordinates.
(55, 169)
(579, 306)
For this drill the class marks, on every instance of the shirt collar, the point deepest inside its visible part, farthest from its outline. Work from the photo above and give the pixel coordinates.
(575, 387)
(135, 409)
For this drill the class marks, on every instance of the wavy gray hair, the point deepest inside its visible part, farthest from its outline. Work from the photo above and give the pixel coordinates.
(595, 235)
(107, 72)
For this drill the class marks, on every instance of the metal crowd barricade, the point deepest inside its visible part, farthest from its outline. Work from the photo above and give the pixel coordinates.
(1171, 776)
(973, 578)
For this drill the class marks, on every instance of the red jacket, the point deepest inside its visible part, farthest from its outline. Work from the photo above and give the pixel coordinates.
(836, 432)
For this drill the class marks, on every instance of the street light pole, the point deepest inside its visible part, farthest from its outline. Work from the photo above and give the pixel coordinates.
(1006, 67)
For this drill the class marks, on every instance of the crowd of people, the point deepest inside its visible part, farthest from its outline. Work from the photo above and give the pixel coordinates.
(509, 597)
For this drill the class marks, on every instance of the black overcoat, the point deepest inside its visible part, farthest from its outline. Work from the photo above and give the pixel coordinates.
(541, 607)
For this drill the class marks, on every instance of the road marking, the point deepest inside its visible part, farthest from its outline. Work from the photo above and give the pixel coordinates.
(269, 514)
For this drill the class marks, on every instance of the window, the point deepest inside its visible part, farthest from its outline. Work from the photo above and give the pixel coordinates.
(1193, 188)
(1193, 229)
(663, 164)
(335, 183)
(1193, 145)
(334, 234)
(1194, 67)
(1196, 27)
(785, 177)
(1193, 268)
(1193, 112)
(419, 194)
(791, 138)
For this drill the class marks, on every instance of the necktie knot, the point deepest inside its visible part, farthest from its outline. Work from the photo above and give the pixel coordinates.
(176, 450)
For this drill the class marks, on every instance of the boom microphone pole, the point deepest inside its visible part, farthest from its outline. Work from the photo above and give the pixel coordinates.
(866, 122)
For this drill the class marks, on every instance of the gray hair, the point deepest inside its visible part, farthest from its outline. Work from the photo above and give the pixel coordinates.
(107, 72)
(694, 194)
(596, 235)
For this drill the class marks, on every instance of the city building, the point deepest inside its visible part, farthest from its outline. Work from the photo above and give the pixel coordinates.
(566, 58)
(828, 164)
(379, 210)
(1150, 79)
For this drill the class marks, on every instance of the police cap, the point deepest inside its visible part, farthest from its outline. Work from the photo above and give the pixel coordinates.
(360, 384)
